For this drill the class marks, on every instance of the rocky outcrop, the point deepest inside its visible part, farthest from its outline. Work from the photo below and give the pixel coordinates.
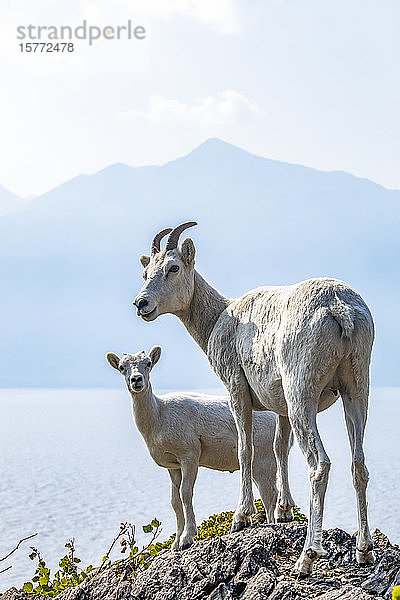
(257, 563)
(254, 564)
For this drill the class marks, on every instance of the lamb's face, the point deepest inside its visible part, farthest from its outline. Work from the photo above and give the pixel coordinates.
(135, 368)
(169, 282)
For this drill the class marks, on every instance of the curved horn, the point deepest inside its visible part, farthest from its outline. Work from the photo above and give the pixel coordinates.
(155, 245)
(173, 237)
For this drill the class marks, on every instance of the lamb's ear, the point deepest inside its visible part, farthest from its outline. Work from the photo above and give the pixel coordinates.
(188, 251)
(144, 260)
(154, 355)
(113, 359)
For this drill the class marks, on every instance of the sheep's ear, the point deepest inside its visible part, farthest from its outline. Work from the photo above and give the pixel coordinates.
(154, 355)
(113, 359)
(144, 260)
(188, 251)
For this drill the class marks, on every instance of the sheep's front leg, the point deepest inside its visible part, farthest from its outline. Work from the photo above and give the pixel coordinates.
(241, 407)
(189, 467)
(282, 444)
(176, 479)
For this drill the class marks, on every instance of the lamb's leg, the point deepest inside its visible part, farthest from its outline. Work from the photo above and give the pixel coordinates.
(189, 467)
(282, 443)
(302, 416)
(176, 478)
(356, 416)
(241, 406)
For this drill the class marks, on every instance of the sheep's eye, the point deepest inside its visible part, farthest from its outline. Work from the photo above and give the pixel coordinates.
(148, 364)
(174, 269)
(144, 275)
(122, 369)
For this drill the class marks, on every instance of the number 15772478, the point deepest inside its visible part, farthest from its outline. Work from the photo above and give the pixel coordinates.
(46, 47)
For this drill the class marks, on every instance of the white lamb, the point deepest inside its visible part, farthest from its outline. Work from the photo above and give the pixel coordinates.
(186, 430)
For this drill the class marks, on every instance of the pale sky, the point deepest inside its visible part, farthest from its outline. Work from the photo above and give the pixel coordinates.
(315, 82)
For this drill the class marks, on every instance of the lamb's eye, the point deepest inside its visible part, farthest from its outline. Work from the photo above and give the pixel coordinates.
(174, 269)
(148, 364)
(144, 275)
(122, 369)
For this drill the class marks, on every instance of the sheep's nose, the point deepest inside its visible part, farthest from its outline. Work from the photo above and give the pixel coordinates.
(142, 303)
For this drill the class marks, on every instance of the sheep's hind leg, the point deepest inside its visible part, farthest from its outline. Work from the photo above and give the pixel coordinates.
(264, 476)
(302, 416)
(282, 444)
(355, 408)
(241, 406)
(176, 502)
(189, 469)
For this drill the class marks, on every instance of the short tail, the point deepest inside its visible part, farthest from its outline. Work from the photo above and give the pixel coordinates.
(343, 315)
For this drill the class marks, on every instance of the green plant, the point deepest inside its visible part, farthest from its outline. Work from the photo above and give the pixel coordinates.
(70, 574)
(220, 524)
(396, 593)
(215, 526)
(299, 516)
(138, 560)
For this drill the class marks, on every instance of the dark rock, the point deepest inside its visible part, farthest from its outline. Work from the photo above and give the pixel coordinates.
(225, 564)
(288, 591)
(393, 583)
(348, 592)
(106, 585)
(14, 594)
(384, 573)
(253, 564)
(381, 541)
(260, 585)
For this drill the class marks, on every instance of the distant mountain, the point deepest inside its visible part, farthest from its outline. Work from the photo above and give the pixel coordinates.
(9, 202)
(70, 270)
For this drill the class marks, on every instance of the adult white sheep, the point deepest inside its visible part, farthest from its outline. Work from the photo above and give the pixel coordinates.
(290, 349)
(184, 431)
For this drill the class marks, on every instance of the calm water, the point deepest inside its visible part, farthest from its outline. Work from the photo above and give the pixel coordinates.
(73, 465)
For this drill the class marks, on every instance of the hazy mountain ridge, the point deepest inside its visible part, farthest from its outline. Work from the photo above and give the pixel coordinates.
(9, 202)
(70, 258)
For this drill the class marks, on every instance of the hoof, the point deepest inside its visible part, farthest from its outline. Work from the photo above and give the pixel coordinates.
(284, 515)
(285, 518)
(185, 546)
(365, 558)
(175, 547)
(239, 525)
(299, 575)
(304, 565)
